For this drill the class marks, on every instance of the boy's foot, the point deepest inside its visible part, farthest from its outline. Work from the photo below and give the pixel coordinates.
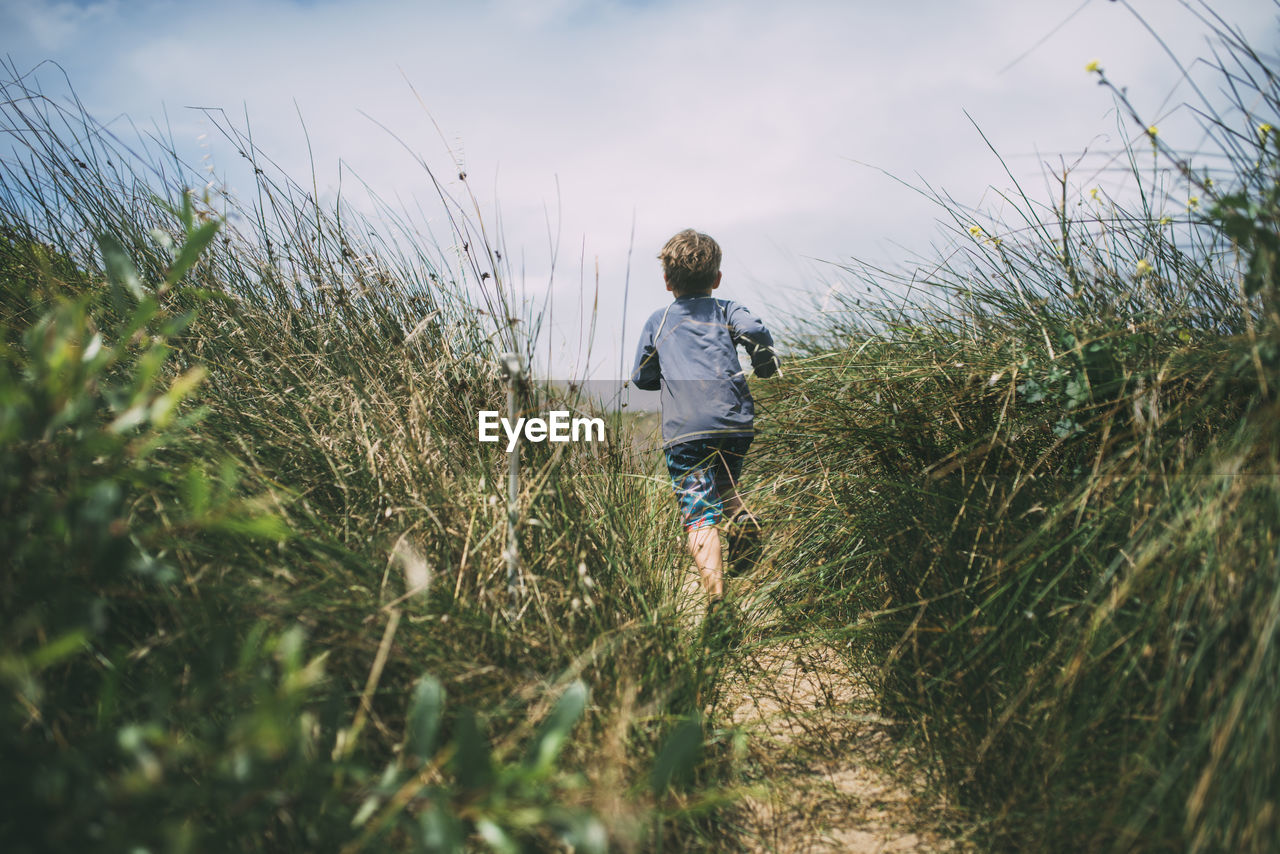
(744, 544)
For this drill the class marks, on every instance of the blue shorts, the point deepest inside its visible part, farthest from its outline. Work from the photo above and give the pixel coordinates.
(703, 472)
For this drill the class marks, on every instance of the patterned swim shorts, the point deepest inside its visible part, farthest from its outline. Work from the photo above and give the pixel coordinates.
(703, 472)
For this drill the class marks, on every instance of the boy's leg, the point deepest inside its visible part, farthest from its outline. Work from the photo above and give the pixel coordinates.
(743, 528)
(728, 469)
(744, 544)
(704, 545)
(692, 466)
(732, 502)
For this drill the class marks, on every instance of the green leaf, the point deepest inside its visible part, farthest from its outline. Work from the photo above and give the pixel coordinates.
(188, 214)
(1077, 392)
(121, 273)
(191, 250)
(586, 834)
(64, 646)
(162, 408)
(472, 763)
(366, 811)
(1066, 427)
(1031, 390)
(441, 833)
(678, 755)
(196, 491)
(496, 837)
(555, 729)
(425, 710)
(260, 526)
(138, 318)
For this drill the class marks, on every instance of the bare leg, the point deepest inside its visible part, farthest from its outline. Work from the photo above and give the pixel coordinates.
(704, 544)
(732, 504)
(744, 537)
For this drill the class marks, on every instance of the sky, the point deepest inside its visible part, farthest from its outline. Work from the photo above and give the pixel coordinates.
(792, 133)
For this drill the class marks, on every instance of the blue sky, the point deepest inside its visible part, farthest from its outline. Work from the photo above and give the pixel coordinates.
(753, 121)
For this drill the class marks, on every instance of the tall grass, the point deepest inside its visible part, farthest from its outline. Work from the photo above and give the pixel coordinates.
(1041, 495)
(253, 595)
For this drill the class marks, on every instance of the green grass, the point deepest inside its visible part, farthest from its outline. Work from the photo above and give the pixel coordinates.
(254, 595)
(1042, 499)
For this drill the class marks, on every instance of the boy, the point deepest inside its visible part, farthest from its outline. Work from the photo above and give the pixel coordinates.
(689, 350)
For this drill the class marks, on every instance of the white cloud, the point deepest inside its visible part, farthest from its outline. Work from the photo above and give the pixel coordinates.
(739, 118)
(55, 26)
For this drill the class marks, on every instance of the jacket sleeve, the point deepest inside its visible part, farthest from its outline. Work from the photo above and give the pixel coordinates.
(647, 373)
(749, 331)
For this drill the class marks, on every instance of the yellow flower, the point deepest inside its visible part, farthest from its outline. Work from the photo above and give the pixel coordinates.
(1093, 194)
(1164, 220)
(1264, 129)
(1093, 66)
(1193, 202)
(1152, 130)
(1144, 266)
(975, 230)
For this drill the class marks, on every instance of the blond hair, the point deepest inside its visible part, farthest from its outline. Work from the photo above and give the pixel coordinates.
(690, 261)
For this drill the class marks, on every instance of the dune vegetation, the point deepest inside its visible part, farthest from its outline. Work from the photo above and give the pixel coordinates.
(1041, 495)
(255, 593)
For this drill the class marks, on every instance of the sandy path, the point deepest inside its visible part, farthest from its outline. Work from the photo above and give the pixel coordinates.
(823, 772)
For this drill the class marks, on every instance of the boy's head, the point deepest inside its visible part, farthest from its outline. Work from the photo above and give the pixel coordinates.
(690, 263)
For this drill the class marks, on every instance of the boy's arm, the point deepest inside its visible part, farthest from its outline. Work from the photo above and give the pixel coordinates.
(647, 373)
(749, 331)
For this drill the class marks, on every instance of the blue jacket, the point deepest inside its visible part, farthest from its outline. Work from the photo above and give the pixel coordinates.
(689, 351)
